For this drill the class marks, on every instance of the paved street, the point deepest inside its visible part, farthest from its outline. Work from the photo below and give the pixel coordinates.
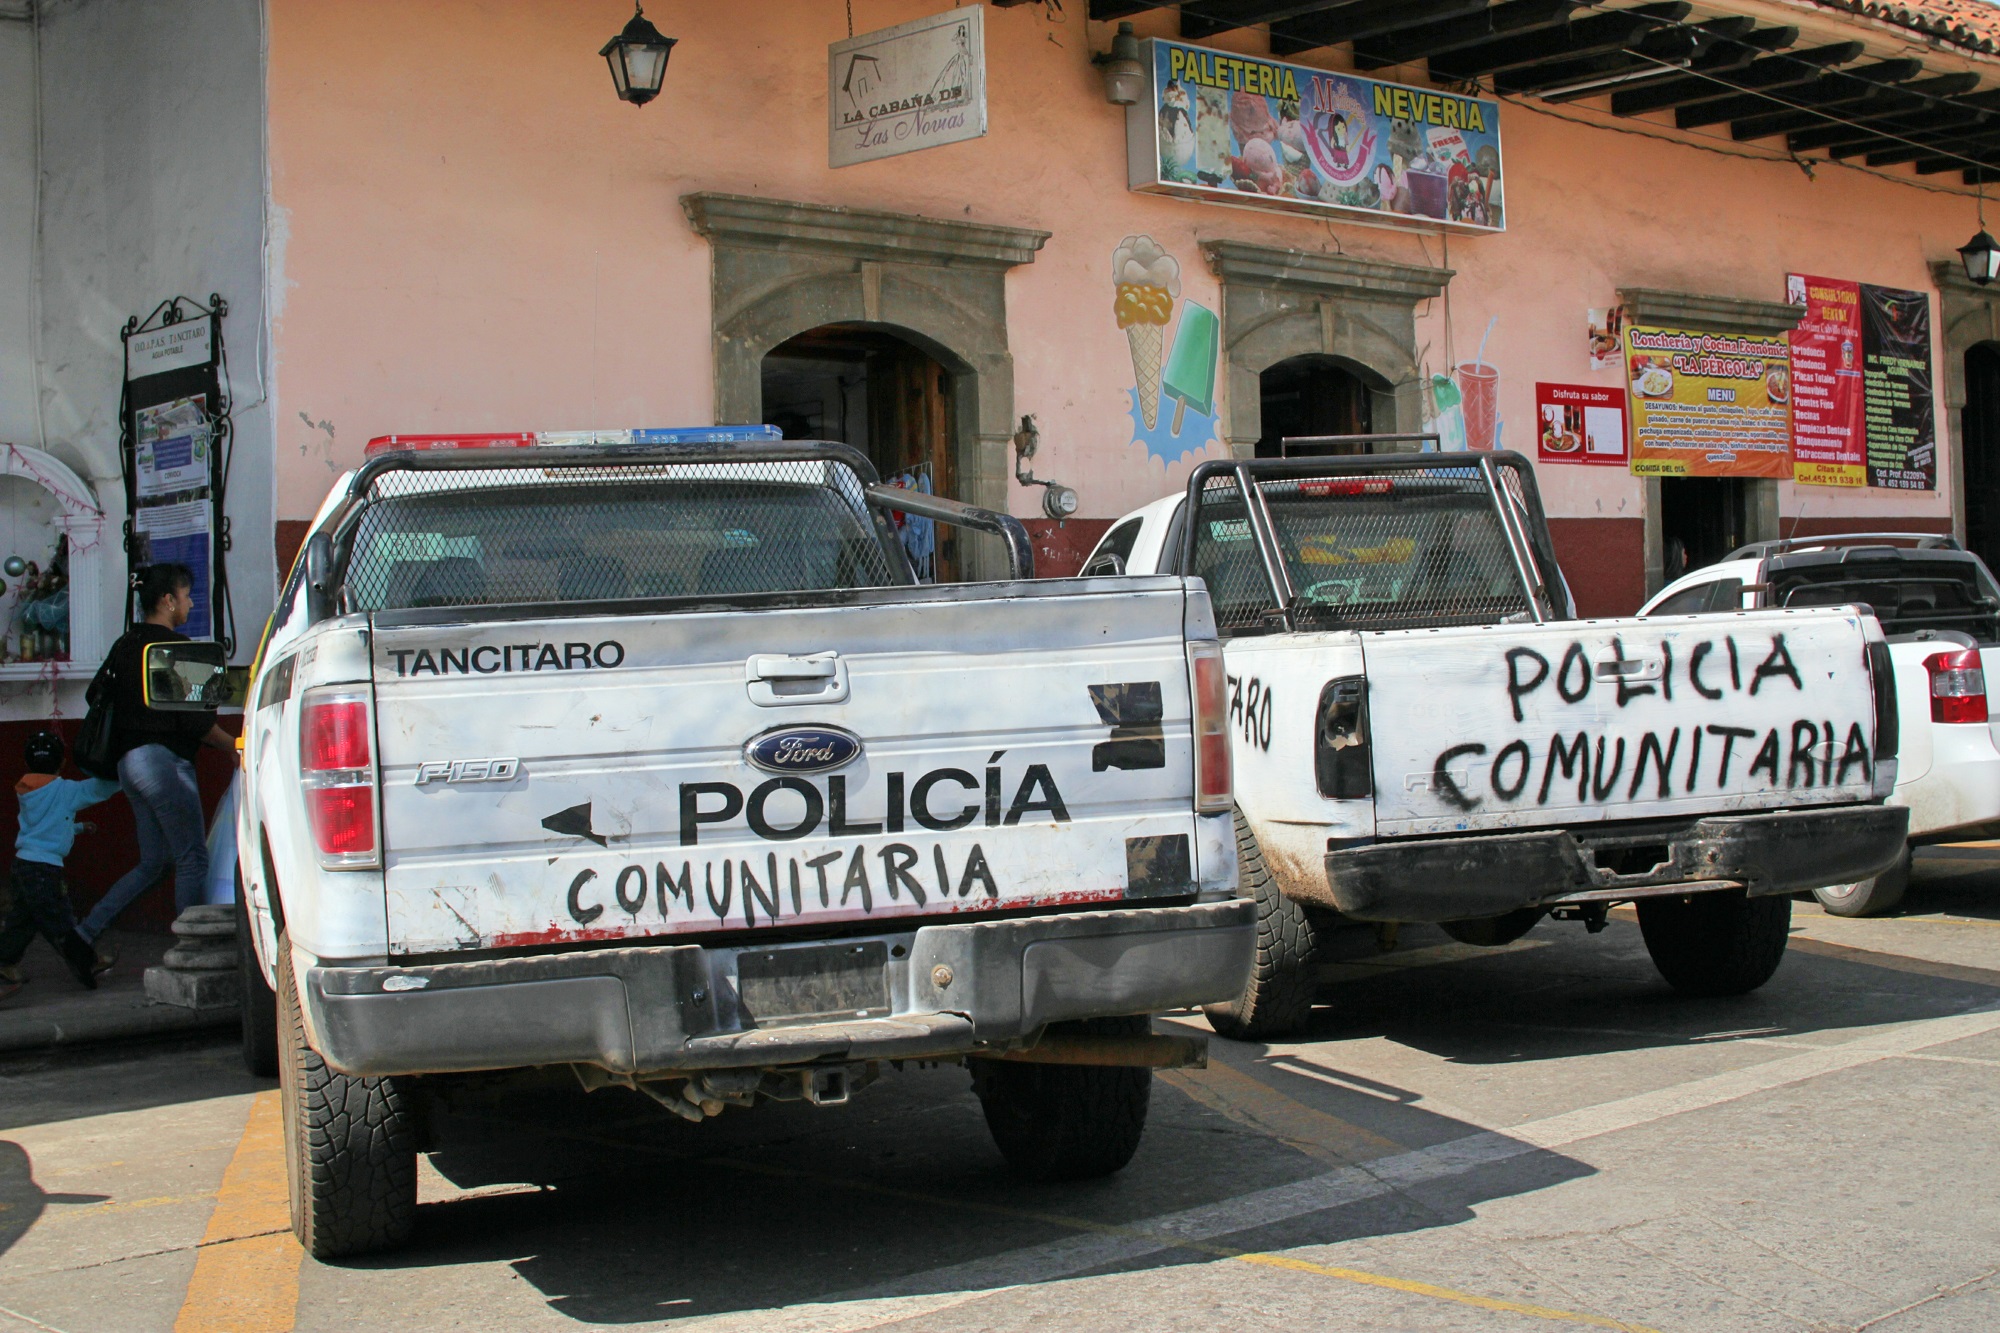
(1539, 1136)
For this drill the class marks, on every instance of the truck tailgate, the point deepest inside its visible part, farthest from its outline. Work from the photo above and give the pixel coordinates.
(1502, 727)
(591, 778)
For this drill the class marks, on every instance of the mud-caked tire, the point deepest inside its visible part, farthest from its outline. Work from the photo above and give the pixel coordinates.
(1067, 1122)
(350, 1146)
(1869, 897)
(1722, 943)
(1284, 978)
(259, 1003)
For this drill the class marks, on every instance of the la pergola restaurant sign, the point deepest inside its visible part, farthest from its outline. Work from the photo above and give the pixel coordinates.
(916, 85)
(1237, 129)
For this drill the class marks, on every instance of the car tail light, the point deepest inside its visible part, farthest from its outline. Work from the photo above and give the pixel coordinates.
(1958, 686)
(337, 773)
(1213, 791)
(1341, 759)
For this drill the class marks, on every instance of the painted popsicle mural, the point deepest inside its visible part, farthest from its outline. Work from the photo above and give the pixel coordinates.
(1190, 378)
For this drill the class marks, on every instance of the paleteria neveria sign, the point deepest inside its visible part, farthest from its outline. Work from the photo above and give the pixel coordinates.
(1243, 130)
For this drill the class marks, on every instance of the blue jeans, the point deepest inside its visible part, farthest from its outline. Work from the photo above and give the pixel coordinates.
(166, 811)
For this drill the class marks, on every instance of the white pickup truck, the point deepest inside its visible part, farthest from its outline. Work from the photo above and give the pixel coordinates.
(1939, 607)
(648, 757)
(1424, 732)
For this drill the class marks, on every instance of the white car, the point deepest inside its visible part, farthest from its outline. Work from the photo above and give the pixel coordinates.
(1939, 607)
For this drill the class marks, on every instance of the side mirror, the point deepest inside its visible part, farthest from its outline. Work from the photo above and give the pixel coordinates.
(186, 677)
(319, 578)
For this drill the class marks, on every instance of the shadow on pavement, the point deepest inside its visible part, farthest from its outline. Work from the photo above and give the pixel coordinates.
(629, 1215)
(21, 1199)
(1577, 994)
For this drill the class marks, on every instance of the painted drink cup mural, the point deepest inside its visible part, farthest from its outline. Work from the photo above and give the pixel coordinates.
(1707, 404)
(1479, 395)
(1224, 126)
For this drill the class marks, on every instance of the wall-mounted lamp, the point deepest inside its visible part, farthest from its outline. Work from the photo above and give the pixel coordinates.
(638, 59)
(1059, 502)
(1124, 74)
(1981, 254)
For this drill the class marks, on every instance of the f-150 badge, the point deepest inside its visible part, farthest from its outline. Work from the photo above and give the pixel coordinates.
(468, 770)
(802, 749)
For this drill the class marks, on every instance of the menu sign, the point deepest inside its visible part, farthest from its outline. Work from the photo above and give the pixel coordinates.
(1829, 443)
(1709, 404)
(1896, 375)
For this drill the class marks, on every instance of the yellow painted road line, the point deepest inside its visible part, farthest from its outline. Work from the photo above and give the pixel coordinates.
(1250, 1102)
(246, 1273)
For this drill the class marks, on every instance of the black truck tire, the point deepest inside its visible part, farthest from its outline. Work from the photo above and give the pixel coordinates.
(350, 1146)
(1284, 978)
(1721, 943)
(1870, 897)
(259, 1002)
(1067, 1122)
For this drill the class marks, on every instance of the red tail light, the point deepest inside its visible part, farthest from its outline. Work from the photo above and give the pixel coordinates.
(1213, 791)
(1958, 686)
(337, 771)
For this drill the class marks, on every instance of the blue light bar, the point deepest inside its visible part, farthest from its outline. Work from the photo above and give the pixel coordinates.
(706, 434)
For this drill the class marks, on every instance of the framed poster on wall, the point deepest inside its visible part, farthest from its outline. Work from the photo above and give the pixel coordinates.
(1709, 404)
(174, 420)
(1579, 423)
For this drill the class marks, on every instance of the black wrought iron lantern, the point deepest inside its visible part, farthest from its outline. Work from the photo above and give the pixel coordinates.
(638, 59)
(1981, 256)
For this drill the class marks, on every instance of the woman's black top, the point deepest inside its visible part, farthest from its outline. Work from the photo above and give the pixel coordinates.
(132, 723)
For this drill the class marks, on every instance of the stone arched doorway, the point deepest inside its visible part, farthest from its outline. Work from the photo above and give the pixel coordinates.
(1314, 395)
(887, 393)
(1979, 440)
(783, 269)
(1278, 305)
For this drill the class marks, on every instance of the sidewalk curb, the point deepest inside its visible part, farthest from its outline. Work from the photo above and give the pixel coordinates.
(30, 1031)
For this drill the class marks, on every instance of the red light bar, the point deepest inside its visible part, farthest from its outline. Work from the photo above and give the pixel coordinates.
(1345, 486)
(384, 443)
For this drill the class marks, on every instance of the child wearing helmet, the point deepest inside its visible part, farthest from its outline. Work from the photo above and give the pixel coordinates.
(39, 897)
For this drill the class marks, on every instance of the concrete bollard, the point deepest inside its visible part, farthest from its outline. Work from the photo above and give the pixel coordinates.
(200, 971)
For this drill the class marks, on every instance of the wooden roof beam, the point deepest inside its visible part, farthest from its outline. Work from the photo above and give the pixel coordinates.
(1366, 18)
(1853, 97)
(1825, 89)
(1794, 67)
(1596, 35)
(1433, 37)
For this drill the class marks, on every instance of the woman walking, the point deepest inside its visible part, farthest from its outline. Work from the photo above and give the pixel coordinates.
(156, 752)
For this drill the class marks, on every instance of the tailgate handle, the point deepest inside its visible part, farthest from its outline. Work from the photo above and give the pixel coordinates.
(777, 679)
(1631, 668)
(820, 666)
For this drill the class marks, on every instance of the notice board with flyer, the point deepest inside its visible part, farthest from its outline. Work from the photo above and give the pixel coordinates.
(175, 417)
(1865, 412)
(1709, 404)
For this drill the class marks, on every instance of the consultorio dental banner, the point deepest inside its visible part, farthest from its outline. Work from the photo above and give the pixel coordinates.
(1707, 404)
(1865, 412)
(1242, 130)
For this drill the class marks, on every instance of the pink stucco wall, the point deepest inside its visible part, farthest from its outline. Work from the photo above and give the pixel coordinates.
(470, 232)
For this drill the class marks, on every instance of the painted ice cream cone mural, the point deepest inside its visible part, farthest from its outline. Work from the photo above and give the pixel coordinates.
(1147, 281)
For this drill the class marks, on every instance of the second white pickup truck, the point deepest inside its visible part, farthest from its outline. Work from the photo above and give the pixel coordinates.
(1424, 731)
(648, 757)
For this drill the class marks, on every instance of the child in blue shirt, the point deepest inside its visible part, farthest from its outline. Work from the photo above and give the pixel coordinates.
(48, 809)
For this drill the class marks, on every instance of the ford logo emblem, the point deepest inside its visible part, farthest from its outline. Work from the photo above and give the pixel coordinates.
(802, 749)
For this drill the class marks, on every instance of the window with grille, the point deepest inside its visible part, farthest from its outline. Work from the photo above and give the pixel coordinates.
(513, 536)
(1398, 550)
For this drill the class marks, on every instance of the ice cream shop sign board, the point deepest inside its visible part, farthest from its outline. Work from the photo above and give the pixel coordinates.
(1241, 130)
(916, 85)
